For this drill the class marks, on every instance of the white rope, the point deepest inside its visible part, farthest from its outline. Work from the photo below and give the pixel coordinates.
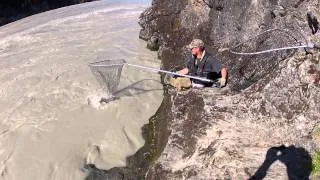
(309, 45)
(271, 50)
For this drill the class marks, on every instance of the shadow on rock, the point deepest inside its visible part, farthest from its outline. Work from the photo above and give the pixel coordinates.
(297, 160)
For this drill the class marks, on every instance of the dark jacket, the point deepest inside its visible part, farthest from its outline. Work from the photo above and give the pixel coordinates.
(209, 67)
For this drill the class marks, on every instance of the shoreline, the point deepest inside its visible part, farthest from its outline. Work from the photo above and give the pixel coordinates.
(155, 134)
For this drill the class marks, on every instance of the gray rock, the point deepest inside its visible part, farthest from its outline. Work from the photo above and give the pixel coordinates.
(272, 101)
(265, 123)
(153, 43)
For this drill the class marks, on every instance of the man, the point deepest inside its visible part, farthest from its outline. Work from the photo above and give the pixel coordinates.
(202, 64)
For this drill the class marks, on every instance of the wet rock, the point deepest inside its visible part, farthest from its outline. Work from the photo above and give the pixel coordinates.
(153, 43)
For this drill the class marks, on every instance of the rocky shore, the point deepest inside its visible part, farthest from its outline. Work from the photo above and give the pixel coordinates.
(264, 124)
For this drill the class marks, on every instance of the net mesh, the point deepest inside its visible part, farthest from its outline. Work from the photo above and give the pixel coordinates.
(108, 73)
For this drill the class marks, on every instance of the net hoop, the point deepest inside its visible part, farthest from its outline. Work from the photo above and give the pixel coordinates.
(108, 73)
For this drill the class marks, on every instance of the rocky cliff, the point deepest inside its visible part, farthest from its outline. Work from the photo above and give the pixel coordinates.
(266, 122)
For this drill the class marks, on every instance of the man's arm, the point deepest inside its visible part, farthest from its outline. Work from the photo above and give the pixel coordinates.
(188, 66)
(223, 79)
(224, 73)
(218, 68)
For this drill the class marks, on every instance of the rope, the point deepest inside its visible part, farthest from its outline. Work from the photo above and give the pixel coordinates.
(272, 50)
(309, 45)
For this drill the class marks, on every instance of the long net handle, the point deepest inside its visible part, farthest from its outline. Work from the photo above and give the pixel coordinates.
(169, 72)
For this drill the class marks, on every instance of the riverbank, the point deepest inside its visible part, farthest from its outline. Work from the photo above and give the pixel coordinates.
(155, 134)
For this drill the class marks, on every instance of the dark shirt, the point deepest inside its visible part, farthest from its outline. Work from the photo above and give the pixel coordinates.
(209, 67)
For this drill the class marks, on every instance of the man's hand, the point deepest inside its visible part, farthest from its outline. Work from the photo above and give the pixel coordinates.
(183, 71)
(222, 82)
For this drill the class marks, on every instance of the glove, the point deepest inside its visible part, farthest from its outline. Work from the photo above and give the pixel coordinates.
(222, 82)
(172, 75)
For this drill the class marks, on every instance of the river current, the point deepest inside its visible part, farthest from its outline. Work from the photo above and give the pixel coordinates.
(51, 123)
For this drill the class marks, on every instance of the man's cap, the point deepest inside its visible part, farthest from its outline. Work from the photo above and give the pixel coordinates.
(196, 43)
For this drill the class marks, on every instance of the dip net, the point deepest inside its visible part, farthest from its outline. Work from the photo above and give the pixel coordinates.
(108, 73)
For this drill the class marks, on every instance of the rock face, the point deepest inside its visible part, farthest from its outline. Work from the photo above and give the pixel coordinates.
(266, 122)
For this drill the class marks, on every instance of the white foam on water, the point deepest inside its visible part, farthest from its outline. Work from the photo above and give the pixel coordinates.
(51, 119)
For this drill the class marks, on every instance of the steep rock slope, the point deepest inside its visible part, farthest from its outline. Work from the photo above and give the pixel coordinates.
(265, 123)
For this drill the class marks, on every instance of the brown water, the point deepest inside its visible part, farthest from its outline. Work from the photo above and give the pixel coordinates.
(48, 130)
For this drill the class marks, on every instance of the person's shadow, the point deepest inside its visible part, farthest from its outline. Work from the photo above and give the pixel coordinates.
(297, 160)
